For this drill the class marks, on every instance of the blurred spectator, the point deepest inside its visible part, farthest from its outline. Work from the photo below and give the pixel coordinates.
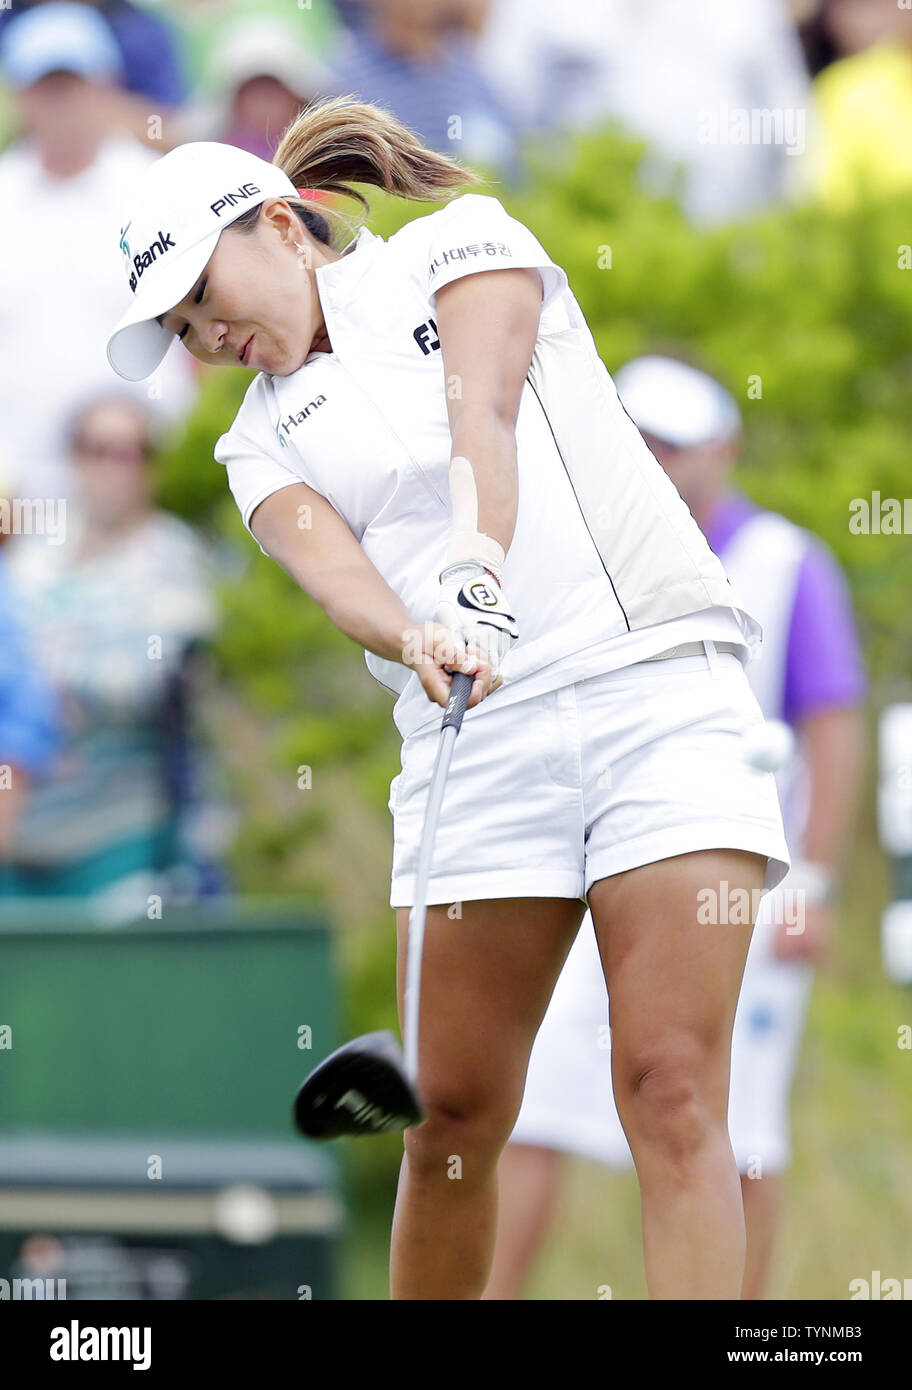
(202, 23)
(418, 58)
(353, 13)
(61, 285)
(819, 44)
(837, 28)
(260, 72)
(153, 82)
(29, 728)
(118, 612)
(863, 146)
(718, 90)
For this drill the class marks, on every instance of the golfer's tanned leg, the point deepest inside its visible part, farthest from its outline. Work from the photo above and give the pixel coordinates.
(673, 983)
(488, 973)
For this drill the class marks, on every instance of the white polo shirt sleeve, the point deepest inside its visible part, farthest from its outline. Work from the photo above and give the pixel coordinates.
(475, 233)
(253, 470)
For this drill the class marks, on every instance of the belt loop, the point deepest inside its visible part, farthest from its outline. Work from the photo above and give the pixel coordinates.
(712, 659)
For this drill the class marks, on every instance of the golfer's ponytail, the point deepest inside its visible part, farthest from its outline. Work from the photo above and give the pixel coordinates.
(336, 142)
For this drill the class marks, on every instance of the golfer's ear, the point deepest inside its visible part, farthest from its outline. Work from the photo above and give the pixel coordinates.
(276, 211)
(487, 324)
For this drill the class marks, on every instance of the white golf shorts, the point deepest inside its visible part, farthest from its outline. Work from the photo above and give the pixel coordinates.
(548, 794)
(568, 1102)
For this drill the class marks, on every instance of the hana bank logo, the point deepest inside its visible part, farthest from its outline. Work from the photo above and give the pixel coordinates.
(295, 417)
(124, 244)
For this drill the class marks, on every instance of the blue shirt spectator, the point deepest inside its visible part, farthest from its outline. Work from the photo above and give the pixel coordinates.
(29, 715)
(149, 48)
(417, 58)
(151, 52)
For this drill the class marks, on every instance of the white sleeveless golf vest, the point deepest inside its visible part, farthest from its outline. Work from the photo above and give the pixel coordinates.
(604, 549)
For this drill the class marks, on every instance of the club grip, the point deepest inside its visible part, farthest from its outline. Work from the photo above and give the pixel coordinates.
(460, 690)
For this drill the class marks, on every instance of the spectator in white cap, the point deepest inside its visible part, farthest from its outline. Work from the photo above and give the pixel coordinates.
(259, 70)
(136, 49)
(690, 422)
(55, 37)
(809, 682)
(58, 284)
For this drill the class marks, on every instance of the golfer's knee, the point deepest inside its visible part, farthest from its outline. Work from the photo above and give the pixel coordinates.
(457, 1142)
(669, 1107)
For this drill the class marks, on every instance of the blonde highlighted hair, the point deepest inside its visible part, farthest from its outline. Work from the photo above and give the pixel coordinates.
(337, 142)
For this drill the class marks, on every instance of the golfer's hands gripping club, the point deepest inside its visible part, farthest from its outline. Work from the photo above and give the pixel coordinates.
(435, 652)
(471, 631)
(472, 606)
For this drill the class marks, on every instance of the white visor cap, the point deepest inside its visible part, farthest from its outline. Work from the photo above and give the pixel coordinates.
(676, 403)
(179, 208)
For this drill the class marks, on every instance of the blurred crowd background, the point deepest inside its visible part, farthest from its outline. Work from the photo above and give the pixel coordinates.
(743, 171)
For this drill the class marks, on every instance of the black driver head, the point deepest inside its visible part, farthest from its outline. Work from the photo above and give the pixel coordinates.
(360, 1088)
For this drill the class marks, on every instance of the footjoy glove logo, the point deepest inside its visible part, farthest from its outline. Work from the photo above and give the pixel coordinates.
(162, 244)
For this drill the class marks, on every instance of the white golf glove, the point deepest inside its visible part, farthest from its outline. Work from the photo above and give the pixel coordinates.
(472, 605)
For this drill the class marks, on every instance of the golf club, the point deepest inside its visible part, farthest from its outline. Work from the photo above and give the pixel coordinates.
(367, 1086)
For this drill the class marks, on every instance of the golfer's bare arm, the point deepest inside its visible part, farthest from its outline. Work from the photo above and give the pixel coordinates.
(325, 558)
(487, 324)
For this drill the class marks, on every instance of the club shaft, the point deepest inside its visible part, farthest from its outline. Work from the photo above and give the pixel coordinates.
(452, 722)
(419, 911)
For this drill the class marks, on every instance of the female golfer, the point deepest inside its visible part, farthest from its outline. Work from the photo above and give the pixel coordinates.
(433, 449)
